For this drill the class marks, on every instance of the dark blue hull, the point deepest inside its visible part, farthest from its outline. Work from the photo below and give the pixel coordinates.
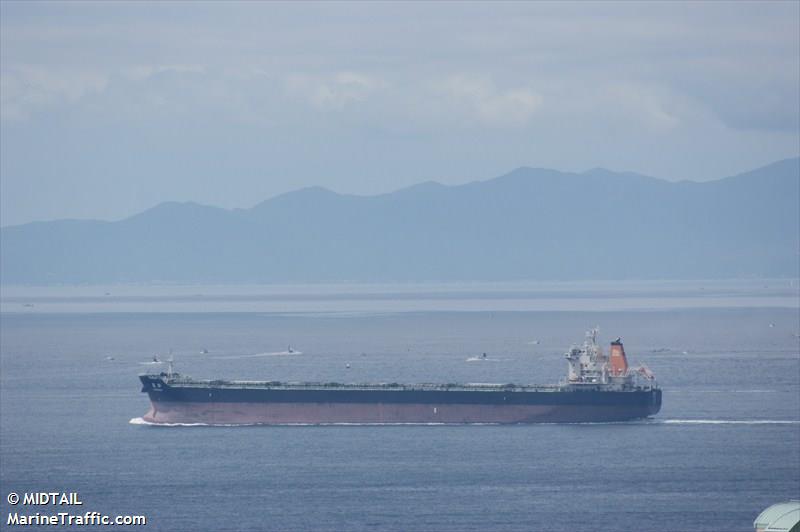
(219, 402)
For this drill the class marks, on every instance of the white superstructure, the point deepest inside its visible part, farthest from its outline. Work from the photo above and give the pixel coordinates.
(588, 365)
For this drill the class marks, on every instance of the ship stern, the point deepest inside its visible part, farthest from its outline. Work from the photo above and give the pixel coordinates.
(655, 402)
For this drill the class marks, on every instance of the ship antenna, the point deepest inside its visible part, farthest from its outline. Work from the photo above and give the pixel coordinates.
(170, 370)
(591, 335)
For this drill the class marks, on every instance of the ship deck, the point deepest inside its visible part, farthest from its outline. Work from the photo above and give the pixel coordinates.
(189, 383)
(277, 385)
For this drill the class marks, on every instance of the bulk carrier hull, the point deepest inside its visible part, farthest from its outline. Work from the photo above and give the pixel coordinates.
(177, 400)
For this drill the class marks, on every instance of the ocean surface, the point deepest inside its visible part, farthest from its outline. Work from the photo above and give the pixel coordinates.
(725, 445)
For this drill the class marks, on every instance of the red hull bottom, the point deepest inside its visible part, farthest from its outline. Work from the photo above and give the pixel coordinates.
(382, 413)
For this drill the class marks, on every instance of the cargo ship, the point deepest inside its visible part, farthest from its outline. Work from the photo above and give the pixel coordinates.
(599, 387)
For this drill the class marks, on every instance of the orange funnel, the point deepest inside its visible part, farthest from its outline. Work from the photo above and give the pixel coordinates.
(617, 360)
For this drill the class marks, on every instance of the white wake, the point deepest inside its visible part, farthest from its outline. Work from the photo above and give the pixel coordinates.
(726, 421)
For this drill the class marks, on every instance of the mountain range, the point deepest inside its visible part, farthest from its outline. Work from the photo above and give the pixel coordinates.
(528, 224)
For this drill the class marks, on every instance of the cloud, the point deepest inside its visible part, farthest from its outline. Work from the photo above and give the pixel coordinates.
(336, 91)
(481, 100)
(142, 72)
(25, 89)
(647, 105)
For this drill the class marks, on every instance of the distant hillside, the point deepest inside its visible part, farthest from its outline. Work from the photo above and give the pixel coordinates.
(528, 224)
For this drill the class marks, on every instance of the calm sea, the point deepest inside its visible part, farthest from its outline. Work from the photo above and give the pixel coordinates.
(725, 445)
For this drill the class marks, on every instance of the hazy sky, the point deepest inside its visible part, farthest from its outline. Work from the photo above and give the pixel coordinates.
(110, 108)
